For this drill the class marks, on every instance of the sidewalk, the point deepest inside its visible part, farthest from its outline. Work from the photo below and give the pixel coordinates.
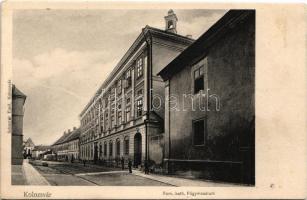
(18, 177)
(32, 176)
(177, 181)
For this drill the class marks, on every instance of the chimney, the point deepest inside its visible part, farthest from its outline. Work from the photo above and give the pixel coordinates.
(171, 22)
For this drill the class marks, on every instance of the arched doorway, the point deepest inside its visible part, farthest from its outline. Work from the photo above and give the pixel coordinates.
(137, 149)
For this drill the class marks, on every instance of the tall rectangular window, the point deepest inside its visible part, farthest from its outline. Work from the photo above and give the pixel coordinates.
(117, 147)
(119, 118)
(119, 87)
(128, 114)
(105, 149)
(139, 67)
(126, 143)
(199, 132)
(139, 107)
(128, 78)
(111, 148)
(199, 79)
(106, 123)
(112, 121)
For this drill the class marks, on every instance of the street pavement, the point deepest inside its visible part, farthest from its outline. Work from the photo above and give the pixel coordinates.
(60, 173)
(64, 173)
(33, 177)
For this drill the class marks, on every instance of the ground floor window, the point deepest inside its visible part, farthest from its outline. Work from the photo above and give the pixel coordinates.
(111, 148)
(100, 149)
(199, 132)
(126, 145)
(117, 147)
(105, 148)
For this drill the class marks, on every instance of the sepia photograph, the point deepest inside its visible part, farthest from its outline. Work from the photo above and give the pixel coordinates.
(152, 101)
(133, 97)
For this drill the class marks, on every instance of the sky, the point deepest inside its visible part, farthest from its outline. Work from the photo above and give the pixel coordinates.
(61, 57)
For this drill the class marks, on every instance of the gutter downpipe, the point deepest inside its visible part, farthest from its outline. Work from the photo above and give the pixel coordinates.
(149, 84)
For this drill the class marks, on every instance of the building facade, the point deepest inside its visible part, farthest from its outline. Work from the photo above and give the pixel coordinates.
(67, 147)
(124, 116)
(39, 151)
(18, 101)
(210, 125)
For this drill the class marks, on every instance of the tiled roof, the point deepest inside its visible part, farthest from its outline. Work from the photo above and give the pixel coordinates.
(75, 134)
(29, 142)
(227, 22)
(68, 137)
(61, 139)
(41, 148)
(140, 38)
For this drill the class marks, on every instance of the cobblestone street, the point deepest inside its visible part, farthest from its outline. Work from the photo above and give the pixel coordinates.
(60, 173)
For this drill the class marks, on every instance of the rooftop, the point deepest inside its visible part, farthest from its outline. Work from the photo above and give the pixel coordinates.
(146, 30)
(203, 43)
(41, 148)
(67, 137)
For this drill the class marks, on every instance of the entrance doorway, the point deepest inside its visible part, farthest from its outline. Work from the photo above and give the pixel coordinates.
(137, 149)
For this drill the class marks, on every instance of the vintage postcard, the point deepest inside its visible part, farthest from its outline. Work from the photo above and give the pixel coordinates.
(123, 100)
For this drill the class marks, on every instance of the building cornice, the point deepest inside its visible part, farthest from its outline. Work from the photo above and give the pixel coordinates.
(139, 42)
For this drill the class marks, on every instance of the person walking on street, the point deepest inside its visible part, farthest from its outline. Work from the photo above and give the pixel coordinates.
(122, 163)
(130, 166)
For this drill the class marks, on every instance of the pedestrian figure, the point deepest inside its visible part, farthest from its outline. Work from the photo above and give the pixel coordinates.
(130, 166)
(146, 167)
(123, 163)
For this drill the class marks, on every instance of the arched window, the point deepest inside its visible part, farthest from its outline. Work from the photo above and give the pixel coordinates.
(100, 149)
(117, 147)
(105, 148)
(110, 148)
(126, 145)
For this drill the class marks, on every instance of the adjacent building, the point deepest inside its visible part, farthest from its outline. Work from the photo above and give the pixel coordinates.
(210, 107)
(39, 151)
(126, 113)
(28, 147)
(66, 148)
(18, 101)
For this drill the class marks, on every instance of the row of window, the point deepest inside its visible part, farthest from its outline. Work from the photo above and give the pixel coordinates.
(73, 146)
(120, 120)
(88, 151)
(126, 82)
